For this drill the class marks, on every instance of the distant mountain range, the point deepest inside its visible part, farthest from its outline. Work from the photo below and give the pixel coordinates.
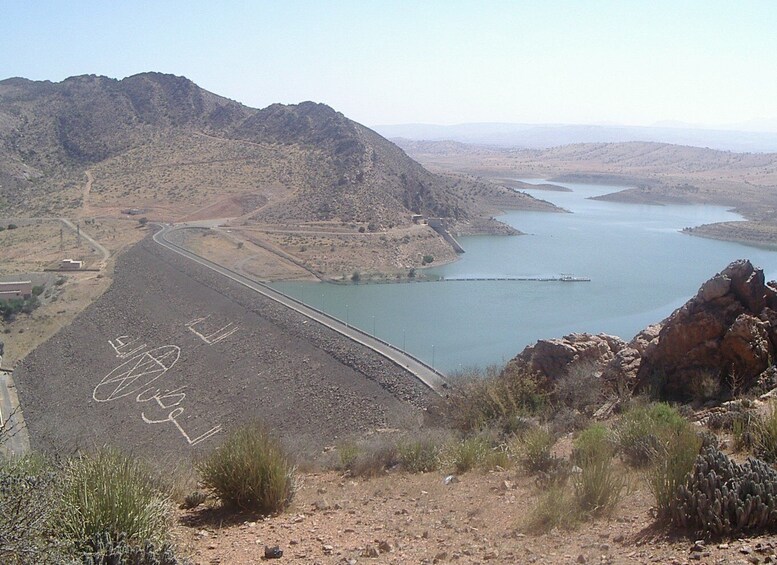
(161, 143)
(541, 136)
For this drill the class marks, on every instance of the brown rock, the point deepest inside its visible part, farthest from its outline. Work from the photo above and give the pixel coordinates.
(553, 358)
(726, 329)
(723, 337)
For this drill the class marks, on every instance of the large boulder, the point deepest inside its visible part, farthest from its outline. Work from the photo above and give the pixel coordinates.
(552, 359)
(722, 338)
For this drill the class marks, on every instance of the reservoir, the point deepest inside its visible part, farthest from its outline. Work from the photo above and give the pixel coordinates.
(640, 264)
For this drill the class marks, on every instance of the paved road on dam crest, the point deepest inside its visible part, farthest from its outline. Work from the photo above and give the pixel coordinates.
(423, 372)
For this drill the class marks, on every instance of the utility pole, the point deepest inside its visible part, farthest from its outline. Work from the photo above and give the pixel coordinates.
(61, 239)
(78, 235)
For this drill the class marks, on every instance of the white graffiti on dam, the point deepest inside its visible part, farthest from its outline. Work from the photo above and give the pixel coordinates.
(120, 346)
(171, 399)
(204, 330)
(137, 374)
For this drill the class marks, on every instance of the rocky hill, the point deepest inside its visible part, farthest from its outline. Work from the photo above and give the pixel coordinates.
(160, 143)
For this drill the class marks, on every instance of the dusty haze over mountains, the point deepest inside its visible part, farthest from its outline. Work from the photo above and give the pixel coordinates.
(760, 137)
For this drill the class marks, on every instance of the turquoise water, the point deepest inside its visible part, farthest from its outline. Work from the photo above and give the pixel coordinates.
(641, 268)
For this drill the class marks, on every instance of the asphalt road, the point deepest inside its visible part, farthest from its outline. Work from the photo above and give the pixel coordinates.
(13, 433)
(423, 372)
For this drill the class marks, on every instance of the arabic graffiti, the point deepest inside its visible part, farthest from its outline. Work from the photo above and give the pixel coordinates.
(137, 374)
(120, 346)
(212, 337)
(171, 399)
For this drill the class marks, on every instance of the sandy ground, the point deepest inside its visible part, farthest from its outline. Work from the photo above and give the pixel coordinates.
(320, 251)
(39, 244)
(403, 518)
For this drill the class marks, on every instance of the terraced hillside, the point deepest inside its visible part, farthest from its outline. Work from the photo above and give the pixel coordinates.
(173, 354)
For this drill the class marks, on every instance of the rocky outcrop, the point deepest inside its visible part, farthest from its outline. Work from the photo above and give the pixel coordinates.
(553, 359)
(621, 373)
(721, 341)
(723, 338)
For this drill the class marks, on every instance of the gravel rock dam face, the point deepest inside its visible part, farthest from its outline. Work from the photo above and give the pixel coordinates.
(174, 355)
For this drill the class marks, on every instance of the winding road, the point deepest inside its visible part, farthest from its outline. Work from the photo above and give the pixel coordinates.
(423, 372)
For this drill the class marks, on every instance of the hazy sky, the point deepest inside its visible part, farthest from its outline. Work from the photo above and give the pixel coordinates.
(384, 62)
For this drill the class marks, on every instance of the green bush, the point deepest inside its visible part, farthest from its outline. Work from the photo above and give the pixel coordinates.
(644, 429)
(744, 428)
(598, 485)
(535, 450)
(671, 467)
(347, 454)
(469, 453)
(250, 471)
(596, 438)
(108, 493)
(765, 444)
(419, 455)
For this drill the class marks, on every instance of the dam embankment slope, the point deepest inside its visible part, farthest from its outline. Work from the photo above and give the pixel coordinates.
(173, 355)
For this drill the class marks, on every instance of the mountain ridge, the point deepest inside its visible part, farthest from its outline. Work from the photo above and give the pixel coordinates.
(160, 142)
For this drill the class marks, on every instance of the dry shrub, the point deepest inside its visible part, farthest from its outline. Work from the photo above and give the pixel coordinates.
(555, 508)
(29, 492)
(580, 388)
(598, 486)
(704, 385)
(250, 470)
(480, 400)
(374, 461)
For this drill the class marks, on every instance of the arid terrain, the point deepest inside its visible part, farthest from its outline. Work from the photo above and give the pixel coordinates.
(39, 244)
(658, 172)
(479, 518)
(161, 356)
(159, 147)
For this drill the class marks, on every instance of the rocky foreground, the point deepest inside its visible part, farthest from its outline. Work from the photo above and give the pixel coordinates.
(475, 518)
